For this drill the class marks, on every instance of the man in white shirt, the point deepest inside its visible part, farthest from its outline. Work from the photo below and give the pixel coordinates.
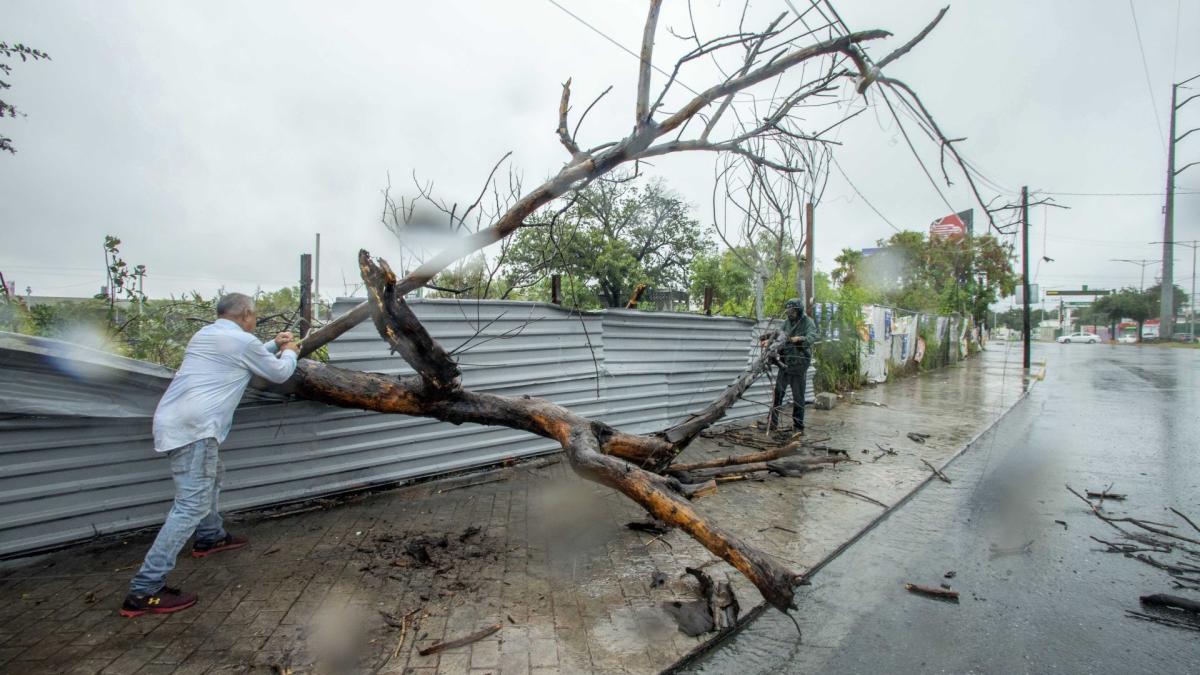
(192, 418)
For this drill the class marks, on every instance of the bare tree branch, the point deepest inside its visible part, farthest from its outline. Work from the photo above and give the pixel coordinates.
(642, 115)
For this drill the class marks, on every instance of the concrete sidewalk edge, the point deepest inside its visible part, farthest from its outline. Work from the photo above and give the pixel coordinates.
(746, 619)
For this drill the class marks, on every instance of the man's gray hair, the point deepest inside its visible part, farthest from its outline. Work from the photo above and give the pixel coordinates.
(234, 304)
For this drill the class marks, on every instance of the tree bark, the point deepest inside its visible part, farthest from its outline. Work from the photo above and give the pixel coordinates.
(596, 451)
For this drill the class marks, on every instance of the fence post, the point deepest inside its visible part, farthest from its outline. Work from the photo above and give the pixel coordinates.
(305, 294)
(556, 289)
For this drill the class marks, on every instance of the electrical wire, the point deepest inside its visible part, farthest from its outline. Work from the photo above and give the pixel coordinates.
(1146, 69)
(861, 195)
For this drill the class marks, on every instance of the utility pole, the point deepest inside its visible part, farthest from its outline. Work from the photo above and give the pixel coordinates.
(809, 262)
(1167, 299)
(1025, 331)
(1192, 245)
(1141, 263)
(306, 280)
(317, 274)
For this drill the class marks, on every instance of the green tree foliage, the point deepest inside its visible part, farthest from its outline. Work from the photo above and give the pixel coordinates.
(7, 53)
(914, 272)
(1154, 294)
(613, 236)
(729, 277)
(1012, 319)
(1128, 303)
(137, 327)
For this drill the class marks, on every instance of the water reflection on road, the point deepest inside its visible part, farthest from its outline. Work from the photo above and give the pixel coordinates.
(1128, 416)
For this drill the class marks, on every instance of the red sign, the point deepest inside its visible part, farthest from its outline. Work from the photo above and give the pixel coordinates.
(950, 227)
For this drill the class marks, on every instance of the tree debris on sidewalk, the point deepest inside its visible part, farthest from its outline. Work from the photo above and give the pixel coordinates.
(1164, 620)
(649, 526)
(1169, 610)
(632, 464)
(718, 609)
(1105, 494)
(460, 642)
(1172, 602)
(932, 591)
(917, 437)
(936, 471)
(859, 495)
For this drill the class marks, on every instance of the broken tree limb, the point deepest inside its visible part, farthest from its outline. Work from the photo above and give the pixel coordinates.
(584, 440)
(936, 471)
(402, 330)
(1166, 621)
(859, 495)
(1171, 601)
(1105, 495)
(932, 591)
(626, 462)
(460, 642)
(682, 434)
(732, 460)
(1145, 525)
(790, 466)
(1189, 520)
(722, 603)
(698, 490)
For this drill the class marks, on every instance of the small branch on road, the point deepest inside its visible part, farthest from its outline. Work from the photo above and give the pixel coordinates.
(460, 642)
(1163, 620)
(1171, 601)
(1144, 524)
(860, 495)
(937, 472)
(1129, 548)
(1189, 520)
(933, 592)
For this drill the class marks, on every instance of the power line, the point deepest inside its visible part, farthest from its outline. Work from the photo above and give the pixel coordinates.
(1116, 194)
(861, 195)
(1146, 69)
(620, 46)
(1175, 50)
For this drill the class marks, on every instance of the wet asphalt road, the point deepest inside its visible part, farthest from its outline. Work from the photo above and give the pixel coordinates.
(1105, 414)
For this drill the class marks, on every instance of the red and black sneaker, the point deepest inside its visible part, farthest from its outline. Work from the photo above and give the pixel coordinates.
(226, 543)
(165, 601)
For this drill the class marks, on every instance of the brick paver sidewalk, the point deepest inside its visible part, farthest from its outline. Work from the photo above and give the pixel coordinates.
(361, 585)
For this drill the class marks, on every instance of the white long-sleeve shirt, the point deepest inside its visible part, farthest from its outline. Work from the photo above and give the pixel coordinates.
(216, 368)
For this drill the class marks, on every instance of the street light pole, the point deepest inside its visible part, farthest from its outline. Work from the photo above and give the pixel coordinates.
(1025, 327)
(1143, 264)
(1192, 245)
(1167, 298)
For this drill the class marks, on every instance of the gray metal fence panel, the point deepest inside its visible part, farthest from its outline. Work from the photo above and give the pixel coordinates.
(80, 462)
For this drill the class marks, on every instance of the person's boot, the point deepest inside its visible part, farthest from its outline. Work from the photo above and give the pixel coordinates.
(229, 542)
(165, 601)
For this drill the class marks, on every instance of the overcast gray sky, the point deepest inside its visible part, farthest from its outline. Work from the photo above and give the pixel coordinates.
(217, 138)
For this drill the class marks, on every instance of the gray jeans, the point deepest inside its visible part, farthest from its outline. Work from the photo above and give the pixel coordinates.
(197, 471)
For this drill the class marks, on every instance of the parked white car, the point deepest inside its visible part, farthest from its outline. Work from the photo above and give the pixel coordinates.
(1087, 338)
(1127, 339)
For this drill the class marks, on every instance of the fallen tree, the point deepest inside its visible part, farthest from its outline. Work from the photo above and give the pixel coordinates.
(633, 464)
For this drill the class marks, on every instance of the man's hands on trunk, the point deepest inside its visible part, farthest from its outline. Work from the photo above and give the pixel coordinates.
(286, 341)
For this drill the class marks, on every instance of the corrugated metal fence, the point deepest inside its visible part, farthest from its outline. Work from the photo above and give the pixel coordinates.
(76, 453)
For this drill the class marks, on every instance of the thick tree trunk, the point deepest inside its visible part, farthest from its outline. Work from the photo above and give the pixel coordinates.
(596, 451)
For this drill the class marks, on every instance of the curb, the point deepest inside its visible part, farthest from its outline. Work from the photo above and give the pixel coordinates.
(758, 610)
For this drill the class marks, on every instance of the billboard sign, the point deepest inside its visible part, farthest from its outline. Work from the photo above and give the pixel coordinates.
(953, 227)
